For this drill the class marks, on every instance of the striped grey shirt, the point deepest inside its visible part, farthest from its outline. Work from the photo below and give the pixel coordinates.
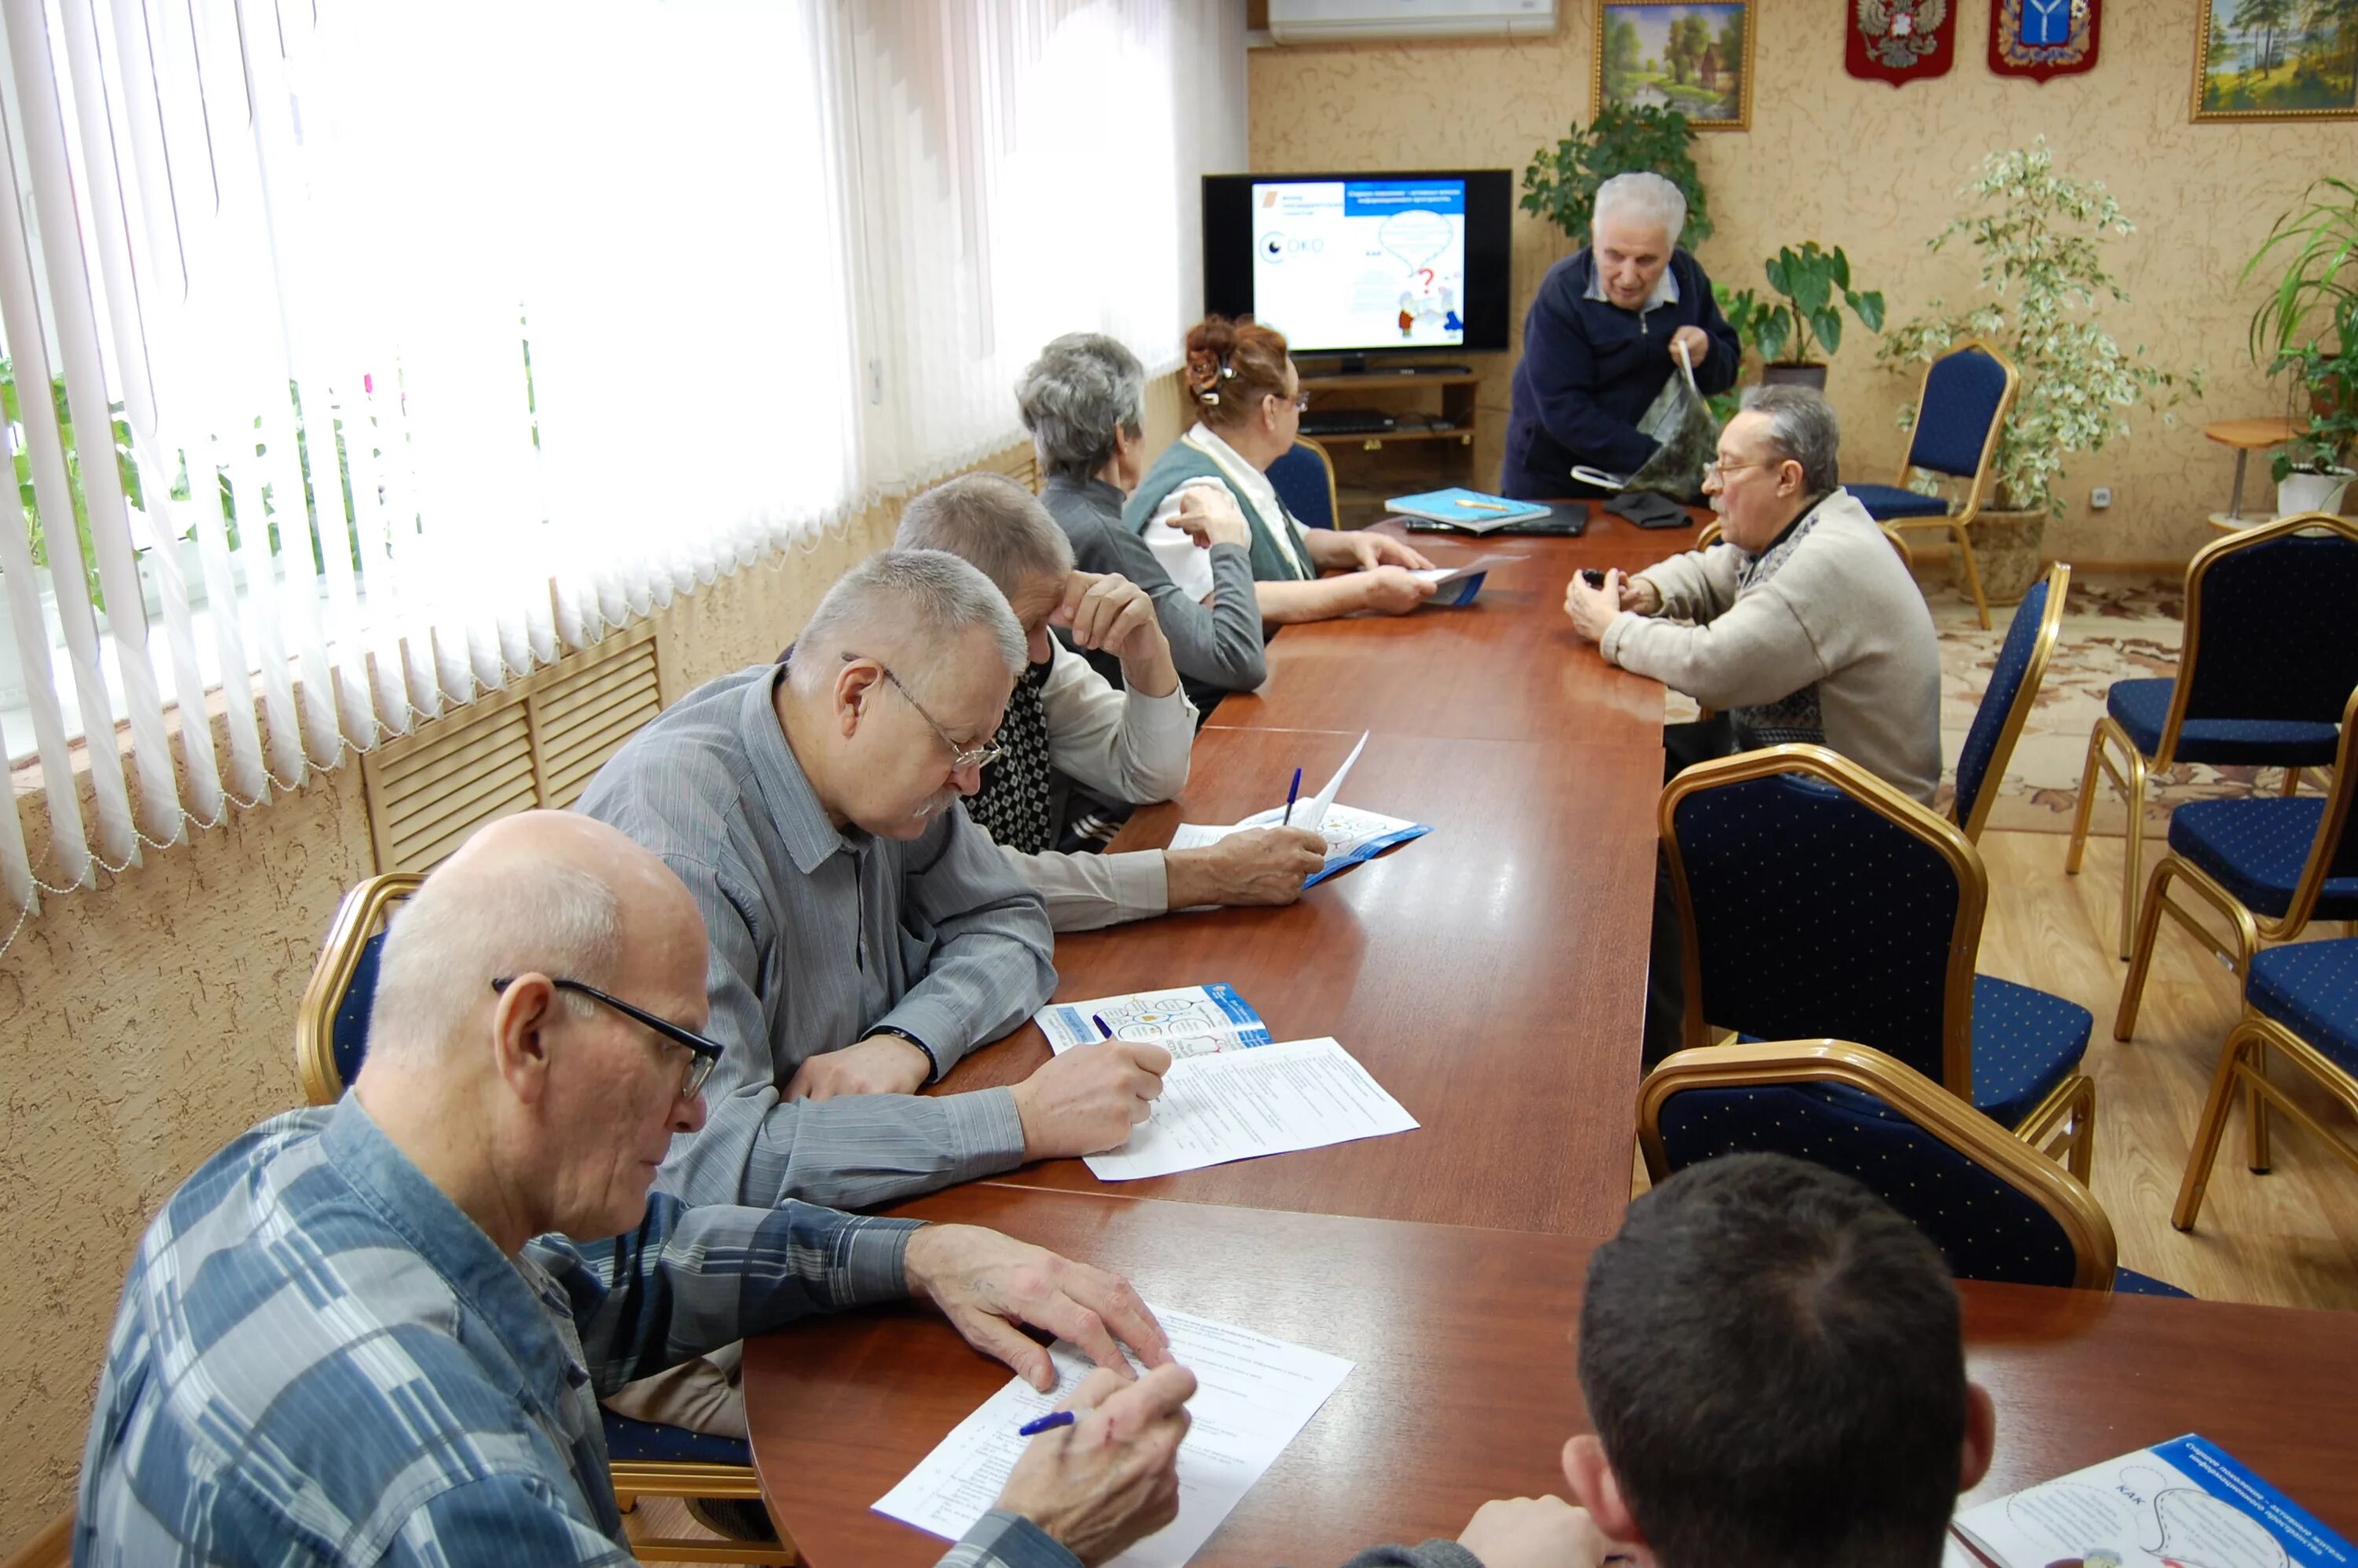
(818, 937)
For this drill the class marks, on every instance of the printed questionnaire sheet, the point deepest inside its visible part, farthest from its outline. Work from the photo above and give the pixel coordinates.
(1240, 1105)
(1253, 1394)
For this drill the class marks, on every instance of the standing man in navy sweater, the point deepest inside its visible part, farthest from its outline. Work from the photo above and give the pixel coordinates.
(1597, 345)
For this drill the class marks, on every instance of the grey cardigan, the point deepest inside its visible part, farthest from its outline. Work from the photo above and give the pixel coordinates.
(1217, 645)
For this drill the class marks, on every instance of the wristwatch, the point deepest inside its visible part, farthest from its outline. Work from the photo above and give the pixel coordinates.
(932, 1063)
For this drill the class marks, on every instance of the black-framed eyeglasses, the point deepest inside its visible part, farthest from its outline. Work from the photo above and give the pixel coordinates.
(961, 757)
(704, 1055)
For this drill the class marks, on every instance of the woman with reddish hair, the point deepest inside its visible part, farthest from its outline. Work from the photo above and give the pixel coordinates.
(1248, 409)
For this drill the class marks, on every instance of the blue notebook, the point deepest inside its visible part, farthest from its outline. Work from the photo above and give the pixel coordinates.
(1470, 510)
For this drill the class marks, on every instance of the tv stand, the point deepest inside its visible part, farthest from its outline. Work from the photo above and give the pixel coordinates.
(1429, 447)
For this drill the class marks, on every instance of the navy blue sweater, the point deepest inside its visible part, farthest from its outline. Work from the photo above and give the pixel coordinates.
(1590, 370)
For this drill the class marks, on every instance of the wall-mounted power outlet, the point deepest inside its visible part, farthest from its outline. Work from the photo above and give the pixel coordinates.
(2101, 497)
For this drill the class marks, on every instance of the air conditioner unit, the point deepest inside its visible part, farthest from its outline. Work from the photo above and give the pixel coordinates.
(1351, 21)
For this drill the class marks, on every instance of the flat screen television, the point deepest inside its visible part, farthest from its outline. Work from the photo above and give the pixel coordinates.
(1356, 265)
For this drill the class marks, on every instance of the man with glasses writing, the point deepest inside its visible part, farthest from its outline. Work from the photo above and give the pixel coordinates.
(1801, 625)
(864, 934)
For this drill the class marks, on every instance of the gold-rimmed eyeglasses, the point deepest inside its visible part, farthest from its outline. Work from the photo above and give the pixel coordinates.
(1716, 470)
(980, 755)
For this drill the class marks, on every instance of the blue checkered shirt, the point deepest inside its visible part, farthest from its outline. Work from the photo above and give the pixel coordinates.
(320, 1359)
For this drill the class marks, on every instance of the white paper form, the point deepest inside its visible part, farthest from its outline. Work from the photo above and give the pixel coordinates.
(1240, 1105)
(1351, 835)
(1253, 1394)
(1441, 577)
(1314, 818)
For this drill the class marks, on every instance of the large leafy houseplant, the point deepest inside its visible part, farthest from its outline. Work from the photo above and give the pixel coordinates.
(1561, 185)
(2040, 235)
(2308, 323)
(1805, 285)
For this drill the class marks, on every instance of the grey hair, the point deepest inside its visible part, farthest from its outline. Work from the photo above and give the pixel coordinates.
(1083, 389)
(1802, 427)
(913, 600)
(1644, 196)
(992, 523)
(457, 933)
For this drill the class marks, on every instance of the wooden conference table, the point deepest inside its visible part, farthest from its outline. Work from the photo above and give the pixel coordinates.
(1491, 975)
(1464, 1385)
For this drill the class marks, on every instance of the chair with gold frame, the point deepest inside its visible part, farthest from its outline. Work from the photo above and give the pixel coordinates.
(1960, 411)
(2006, 704)
(2268, 866)
(2300, 1002)
(645, 1459)
(1304, 478)
(1814, 898)
(2264, 667)
(1996, 1207)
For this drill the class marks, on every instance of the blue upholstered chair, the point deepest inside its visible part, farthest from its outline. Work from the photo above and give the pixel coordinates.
(2267, 663)
(645, 1460)
(1996, 1208)
(1304, 480)
(1960, 411)
(1816, 900)
(2268, 866)
(2013, 691)
(2301, 1001)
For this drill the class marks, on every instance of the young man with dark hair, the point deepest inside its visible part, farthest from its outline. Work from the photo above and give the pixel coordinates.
(1773, 1361)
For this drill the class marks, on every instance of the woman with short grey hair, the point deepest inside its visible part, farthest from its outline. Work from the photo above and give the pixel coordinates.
(1084, 402)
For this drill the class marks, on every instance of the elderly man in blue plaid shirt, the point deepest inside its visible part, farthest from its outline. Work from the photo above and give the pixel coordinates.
(359, 1334)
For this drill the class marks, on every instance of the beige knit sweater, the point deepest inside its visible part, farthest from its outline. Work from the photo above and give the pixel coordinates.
(1823, 638)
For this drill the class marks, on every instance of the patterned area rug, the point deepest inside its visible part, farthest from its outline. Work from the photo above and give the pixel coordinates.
(2115, 628)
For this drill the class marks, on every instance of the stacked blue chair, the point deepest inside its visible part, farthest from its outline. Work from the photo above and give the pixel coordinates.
(2265, 866)
(1996, 1208)
(2267, 661)
(645, 1460)
(2006, 705)
(1960, 413)
(2301, 1002)
(1816, 900)
(1303, 479)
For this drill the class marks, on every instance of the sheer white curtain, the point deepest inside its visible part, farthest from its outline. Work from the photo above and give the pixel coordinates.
(438, 338)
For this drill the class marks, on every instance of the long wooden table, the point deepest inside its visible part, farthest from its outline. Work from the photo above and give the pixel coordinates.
(1464, 1387)
(1489, 975)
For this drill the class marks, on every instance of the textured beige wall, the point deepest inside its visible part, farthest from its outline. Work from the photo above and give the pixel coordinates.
(145, 1023)
(1873, 168)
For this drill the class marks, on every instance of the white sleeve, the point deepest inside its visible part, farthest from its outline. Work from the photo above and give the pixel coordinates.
(1122, 743)
(1085, 892)
(1189, 564)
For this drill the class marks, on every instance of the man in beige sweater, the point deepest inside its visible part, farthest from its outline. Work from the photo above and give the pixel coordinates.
(1800, 625)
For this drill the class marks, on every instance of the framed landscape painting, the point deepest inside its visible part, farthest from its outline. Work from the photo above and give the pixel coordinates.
(1695, 58)
(2277, 60)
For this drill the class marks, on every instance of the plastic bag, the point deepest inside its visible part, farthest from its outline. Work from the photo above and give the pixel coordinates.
(1681, 421)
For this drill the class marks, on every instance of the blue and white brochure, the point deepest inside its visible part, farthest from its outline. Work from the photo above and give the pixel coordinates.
(1187, 1020)
(2186, 1503)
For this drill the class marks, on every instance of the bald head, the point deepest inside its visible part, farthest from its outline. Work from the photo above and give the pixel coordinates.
(545, 892)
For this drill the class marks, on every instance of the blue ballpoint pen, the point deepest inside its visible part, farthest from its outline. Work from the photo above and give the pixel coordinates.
(1103, 1027)
(1048, 1422)
(1293, 792)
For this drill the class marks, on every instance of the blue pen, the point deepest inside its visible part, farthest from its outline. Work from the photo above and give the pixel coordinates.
(1048, 1422)
(1293, 792)
(1103, 1027)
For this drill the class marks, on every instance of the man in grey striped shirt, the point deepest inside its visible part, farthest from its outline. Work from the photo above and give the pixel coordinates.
(362, 1335)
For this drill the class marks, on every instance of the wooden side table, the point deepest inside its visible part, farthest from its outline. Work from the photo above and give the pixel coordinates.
(2246, 435)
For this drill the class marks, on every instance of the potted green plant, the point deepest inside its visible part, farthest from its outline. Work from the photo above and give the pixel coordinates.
(2040, 237)
(1807, 284)
(1561, 186)
(2309, 326)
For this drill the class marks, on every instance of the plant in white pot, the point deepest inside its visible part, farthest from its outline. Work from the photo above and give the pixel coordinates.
(2040, 235)
(2309, 326)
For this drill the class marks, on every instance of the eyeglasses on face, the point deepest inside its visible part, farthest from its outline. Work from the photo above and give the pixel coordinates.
(1715, 468)
(961, 757)
(704, 1054)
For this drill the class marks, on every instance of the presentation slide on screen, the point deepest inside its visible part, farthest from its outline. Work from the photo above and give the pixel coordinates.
(1360, 264)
